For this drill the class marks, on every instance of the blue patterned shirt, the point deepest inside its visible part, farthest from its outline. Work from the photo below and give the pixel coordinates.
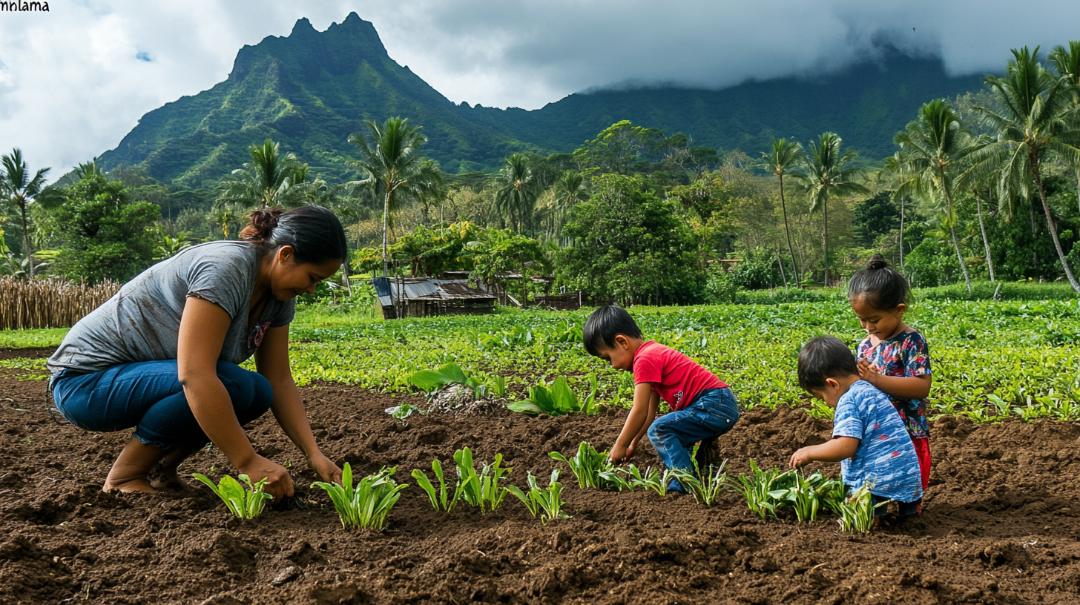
(886, 458)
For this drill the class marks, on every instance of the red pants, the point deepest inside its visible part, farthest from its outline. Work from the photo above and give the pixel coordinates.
(922, 452)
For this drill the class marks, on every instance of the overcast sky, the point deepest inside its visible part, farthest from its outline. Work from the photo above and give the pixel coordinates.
(75, 80)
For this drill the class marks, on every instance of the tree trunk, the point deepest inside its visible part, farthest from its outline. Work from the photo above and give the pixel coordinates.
(27, 246)
(1078, 187)
(825, 236)
(1052, 225)
(385, 232)
(902, 235)
(986, 242)
(949, 220)
(960, 257)
(787, 231)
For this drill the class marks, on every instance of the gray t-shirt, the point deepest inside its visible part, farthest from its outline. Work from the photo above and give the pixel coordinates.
(142, 321)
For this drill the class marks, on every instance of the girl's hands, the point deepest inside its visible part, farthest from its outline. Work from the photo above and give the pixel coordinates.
(325, 468)
(868, 372)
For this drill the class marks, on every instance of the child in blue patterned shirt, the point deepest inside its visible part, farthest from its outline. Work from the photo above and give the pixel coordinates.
(869, 440)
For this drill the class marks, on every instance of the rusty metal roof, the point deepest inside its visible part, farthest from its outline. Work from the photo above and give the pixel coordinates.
(423, 288)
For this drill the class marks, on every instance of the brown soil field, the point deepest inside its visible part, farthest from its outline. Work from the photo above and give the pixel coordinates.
(1002, 520)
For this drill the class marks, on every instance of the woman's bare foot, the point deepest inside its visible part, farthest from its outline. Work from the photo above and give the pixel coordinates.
(131, 486)
(164, 475)
(129, 474)
(167, 479)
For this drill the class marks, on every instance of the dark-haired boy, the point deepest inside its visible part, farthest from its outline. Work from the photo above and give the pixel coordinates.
(702, 406)
(869, 439)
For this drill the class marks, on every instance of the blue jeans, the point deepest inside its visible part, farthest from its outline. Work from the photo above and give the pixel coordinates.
(712, 413)
(147, 395)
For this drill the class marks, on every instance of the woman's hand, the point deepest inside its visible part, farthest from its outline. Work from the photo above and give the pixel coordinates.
(278, 482)
(325, 468)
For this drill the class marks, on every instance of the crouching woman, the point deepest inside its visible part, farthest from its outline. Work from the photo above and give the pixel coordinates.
(161, 355)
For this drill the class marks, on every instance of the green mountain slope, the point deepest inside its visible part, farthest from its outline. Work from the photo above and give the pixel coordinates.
(311, 89)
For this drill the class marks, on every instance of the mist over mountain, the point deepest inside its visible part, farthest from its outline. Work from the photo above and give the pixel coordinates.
(309, 90)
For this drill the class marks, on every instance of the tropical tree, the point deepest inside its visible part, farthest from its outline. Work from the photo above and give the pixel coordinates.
(567, 191)
(932, 146)
(17, 186)
(1066, 61)
(390, 163)
(430, 187)
(903, 183)
(779, 160)
(828, 173)
(1032, 126)
(516, 193)
(266, 180)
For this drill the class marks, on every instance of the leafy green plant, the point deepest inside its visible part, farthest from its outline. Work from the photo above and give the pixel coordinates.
(757, 488)
(368, 503)
(480, 489)
(857, 512)
(430, 381)
(807, 493)
(557, 399)
(547, 502)
(243, 502)
(705, 487)
(652, 479)
(440, 497)
(590, 467)
(403, 411)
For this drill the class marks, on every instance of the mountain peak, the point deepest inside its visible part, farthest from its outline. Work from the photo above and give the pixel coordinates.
(303, 26)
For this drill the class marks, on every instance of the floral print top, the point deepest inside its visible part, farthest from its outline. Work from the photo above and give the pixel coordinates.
(904, 354)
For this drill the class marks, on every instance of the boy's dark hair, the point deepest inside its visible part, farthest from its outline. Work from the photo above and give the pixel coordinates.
(883, 286)
(824, 357)
(604, 324)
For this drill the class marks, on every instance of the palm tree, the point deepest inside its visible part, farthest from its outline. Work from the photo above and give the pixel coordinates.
(266, 180)
(430, 186)
(1032, 125)
(17, 185)
(569, 190)
(904, 183)
(1066, 62)
(515, 196)
(779, 160)
(932, 146)
(388, 156)
(828, 174)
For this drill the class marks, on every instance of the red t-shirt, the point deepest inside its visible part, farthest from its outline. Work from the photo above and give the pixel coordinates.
(674, 376)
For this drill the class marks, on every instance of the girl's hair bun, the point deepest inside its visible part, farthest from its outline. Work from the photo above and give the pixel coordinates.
(261, 225)
(877, 262)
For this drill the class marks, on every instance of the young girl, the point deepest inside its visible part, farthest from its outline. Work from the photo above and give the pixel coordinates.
(893, 357)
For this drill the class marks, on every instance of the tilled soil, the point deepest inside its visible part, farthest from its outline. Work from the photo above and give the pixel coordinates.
(1002, 521)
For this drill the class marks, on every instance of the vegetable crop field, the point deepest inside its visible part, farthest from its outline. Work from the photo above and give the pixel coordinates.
(454, 497)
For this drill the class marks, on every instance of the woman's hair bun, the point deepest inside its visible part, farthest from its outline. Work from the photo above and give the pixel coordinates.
(261, 225)
(876, 263)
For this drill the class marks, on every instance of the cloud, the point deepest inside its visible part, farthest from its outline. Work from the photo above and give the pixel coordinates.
(75, 80)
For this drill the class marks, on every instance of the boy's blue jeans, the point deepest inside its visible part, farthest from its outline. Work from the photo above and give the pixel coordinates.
(712, 413)
(147, 395)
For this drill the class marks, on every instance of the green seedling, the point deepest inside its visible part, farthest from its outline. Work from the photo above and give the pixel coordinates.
(545, 502)
(805, 495)
(430, 381)
(245, 503)
(557, 399)
(616, 479)
(588, 466)
(403, 411)
(857, 512)
(440, 498)
(480, 489)
(757, 486)
(652, 479)
(705, 487)
(368, 504)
